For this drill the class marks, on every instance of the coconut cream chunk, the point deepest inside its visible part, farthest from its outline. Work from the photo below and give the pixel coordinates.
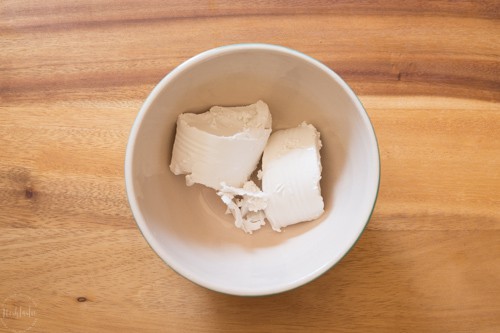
(291, 173)
(222, 145)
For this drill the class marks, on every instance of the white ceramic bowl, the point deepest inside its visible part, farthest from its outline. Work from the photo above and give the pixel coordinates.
(187, 227)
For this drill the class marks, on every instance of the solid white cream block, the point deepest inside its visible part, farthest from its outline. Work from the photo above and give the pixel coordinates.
(223, 145)
(291, 173)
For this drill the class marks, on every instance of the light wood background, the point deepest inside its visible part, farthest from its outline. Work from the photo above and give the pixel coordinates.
(73, 75)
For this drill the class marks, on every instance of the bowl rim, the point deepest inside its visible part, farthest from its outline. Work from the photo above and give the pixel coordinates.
(129, 154)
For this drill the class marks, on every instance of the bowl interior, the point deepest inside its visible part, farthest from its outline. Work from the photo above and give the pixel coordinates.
(187, 226)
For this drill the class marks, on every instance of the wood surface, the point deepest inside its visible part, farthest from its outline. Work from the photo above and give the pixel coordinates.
(73, 75)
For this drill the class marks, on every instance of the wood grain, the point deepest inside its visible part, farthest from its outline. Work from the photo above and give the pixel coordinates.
(74, 74)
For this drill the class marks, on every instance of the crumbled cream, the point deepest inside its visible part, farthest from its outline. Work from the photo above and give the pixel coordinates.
(247, 205)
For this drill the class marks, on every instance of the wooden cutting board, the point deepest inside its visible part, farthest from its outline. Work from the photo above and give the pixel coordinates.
(73, 75)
